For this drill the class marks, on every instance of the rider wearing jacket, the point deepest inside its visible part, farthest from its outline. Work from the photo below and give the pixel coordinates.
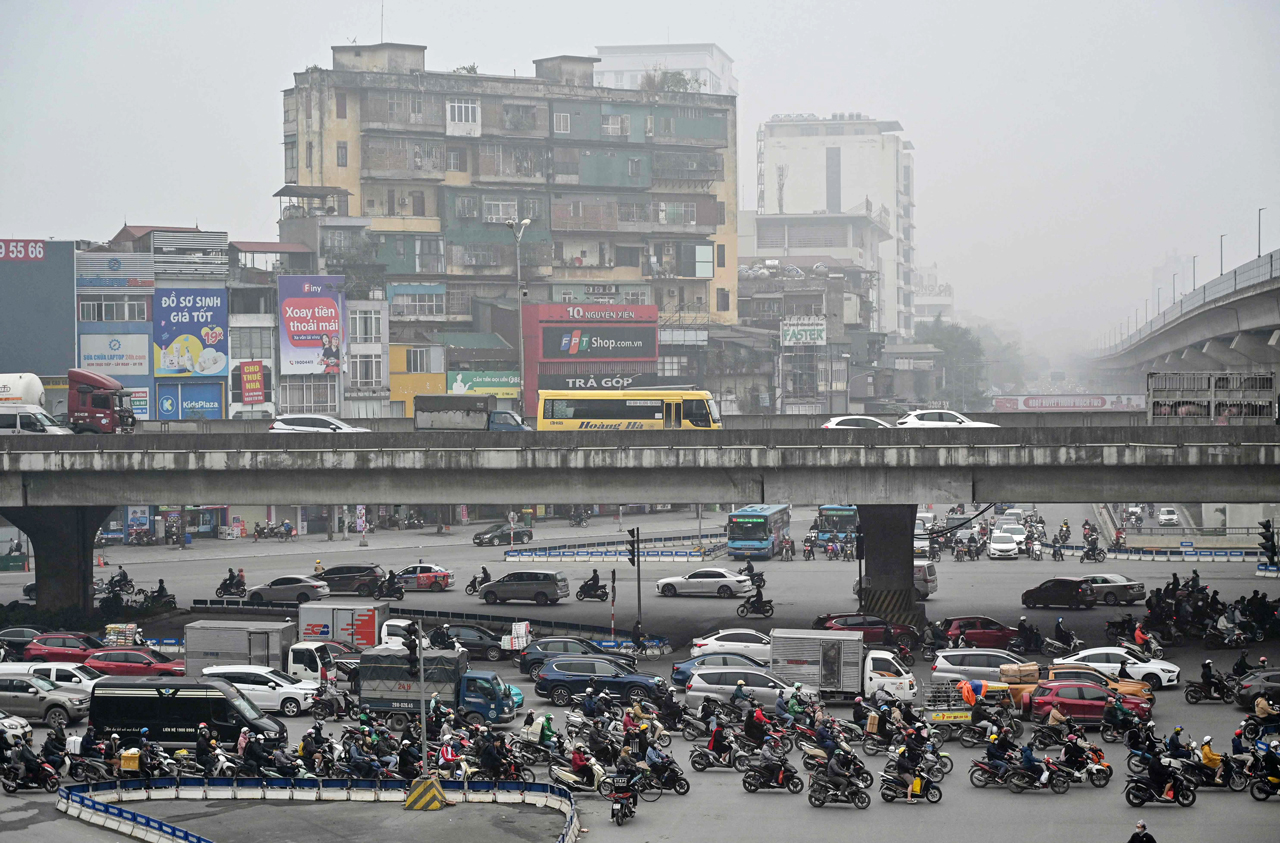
(996, 755)
(839, 770)
(780, 711)
(774, 759)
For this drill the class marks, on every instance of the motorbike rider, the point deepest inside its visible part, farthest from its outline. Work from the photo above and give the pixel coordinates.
(981, 716)
(580, 764)
(205, 756)
(1033, 766)
(388, 584)
(25, 757)
(589, 707)
(1193, 584)
(1062, 634)
(1264, 711)
(753, 728)
(780, 712)
(659, 762)
(240, 581)
(226, 585)
(719, 744)
(1058, 721)
(1160, 772)
(491, 758)
(773, 759)
(740, 698)
(1117, 716)
(1074, 753)
(1211, 679)
(363, 764)
(450, 755)
(996, 755)
(839, 770)
(547, 732)
(592, 585)
(484, 575)
(671, 711)
(1178, 749)
(1242, 666)
(441, 639)
(119, 578)
(1213, 760)
(908, 763)
(826, 739)
(755, 603)
(858, 712)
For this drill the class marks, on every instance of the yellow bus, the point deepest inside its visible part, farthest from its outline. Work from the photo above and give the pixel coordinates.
(630, 409)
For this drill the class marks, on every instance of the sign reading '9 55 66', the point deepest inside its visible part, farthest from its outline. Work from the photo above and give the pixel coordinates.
(21, 250)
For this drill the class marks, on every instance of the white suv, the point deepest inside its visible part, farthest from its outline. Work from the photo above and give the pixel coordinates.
(1168, 517)
(312, 424)
(271, 689)
(718, 683)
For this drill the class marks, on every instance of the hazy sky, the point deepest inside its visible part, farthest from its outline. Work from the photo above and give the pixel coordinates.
(1062, 148)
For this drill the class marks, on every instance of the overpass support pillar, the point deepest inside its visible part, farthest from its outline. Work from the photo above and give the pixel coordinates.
(62, 545)
(889, 590)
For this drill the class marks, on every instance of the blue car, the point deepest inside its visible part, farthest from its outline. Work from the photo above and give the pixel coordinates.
(681, 672)
(561, 678)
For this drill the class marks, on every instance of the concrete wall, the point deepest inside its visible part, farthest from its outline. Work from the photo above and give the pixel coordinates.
(1082, 419)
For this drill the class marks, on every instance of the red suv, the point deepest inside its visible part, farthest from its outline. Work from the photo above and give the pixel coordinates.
(135, 661)
(980, 631)
(871, 627)
(61, 647)
(1083, 701)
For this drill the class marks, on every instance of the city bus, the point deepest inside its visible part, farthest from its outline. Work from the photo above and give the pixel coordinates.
(834, 518)
(627, 409)
(757, 531)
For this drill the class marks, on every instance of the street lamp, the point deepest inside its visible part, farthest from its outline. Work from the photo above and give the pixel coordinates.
(517, 230)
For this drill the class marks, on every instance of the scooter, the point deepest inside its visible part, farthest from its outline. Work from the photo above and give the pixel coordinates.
(1139, 791)
(622, 799)
(823, 791)
(476, 584)
(599, 592)
(892, 787)
(561, 772)
(702, 759)
(1020, 780)
(580, 521)
(1093, 554)
(756, 778)
(751, 607)
(1196, 692)
(45, 778)
(235, 590)
(394, 591)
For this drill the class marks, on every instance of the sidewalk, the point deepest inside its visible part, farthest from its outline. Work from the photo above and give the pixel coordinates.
(556, 531)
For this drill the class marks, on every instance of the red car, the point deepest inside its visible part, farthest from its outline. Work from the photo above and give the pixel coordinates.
(1082, 701)
(871, 627)
(61, 647)
(980, 631)
(135, 661)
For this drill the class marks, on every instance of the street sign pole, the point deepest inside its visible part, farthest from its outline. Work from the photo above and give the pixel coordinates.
(613, 602)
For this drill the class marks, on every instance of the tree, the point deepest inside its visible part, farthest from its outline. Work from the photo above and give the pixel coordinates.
(467, 68)
(962, 356)
(661, 79)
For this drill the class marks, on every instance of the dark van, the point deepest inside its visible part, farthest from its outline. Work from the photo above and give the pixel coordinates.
(172, 707)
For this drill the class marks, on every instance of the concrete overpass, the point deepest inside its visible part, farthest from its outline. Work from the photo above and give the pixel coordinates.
(1232, 323)
(58, 489)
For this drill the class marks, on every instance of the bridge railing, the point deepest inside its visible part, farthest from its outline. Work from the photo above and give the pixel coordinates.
(1246, 275)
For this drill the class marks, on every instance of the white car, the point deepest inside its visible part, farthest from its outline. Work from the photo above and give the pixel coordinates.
(312, 424)
(718, 581)
(939, 418)
(68, 673)
(719, 683)
(1168, 516)
(1017, 532)
(1002, 546)
(1157, 673)
(271, 689)
(744, 642)
(13, 726)
(847, 422)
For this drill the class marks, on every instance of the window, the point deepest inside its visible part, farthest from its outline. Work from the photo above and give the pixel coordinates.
(673, 367)
(309, 151)
(415, 104)
(499, 211)
(476, 254)
(633, 212)
(666, 125)
(365, 326)
(291, 155)
(460, 302)
(468, 206)
(342, 153)
(627, 256)
(722, 298)
(464, 110)
(109, 308)
(562, 123)
(252, 343)
(533, 209)
(720, 255)
(675, 213)
(418, 360)
(519, 117)
(635, 297)
(633, 167)
(397, 105)
(575, 209)
(340, 105)
(366, 371)
(430, 254)
(720, 215)
(615, 125)
(308, 394)
(290, 109)
(417, 304)
(808, 131)
(456, 159)
(648, 125)
(567, 297)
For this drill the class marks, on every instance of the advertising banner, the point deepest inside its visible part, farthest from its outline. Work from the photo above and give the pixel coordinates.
(600, 342)
(501, 384)
(177, 400)
(190, 327)
(252, 385)
(313, 335)
(593, 312)
(140, 401)
(115, 354)
(616, 380)
(1069, 403)
(804, 330)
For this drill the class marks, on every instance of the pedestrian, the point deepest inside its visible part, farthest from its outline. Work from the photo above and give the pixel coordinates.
(1140, 834)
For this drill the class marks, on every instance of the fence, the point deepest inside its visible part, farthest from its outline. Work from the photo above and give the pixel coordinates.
(660, 548)
(97, 803)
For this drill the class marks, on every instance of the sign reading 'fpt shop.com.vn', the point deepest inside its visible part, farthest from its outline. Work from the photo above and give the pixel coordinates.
(312, 324)
(804, 331)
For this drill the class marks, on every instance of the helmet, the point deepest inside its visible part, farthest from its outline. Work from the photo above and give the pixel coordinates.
(114, 736)
(1262, 661)
(145, 730)
(911, 731)
(1208, 661)
(857, 699)
(1023, 618)
(796, 685)
(1071, 738)
(1275, 746)
(404, 743)
(204, 725)
(364, 707)
(1207, 739)
(742, 681)
(446, 626)
(1177, 729)
(1005, 731)
(1059, 620)
(435, 694)
(590, 690)
(258, 738)
(993, 738)
(551, 716)
(1239, 732)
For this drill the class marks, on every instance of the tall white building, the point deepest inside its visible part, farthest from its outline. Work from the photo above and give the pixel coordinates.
(624, 66)
(847, 165)
(930, 298)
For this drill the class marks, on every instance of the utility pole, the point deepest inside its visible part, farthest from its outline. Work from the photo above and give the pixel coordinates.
(1260, 210)
(633, 547)
(1193, 272)
(517, 230)
(1220, 236)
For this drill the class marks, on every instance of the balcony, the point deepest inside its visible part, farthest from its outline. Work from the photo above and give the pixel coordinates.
(695, 314)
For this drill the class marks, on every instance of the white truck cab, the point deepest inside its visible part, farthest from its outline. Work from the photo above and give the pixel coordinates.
(883, 670)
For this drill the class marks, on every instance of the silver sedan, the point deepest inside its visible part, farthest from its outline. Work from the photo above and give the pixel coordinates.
(289, 589)
(706, 581)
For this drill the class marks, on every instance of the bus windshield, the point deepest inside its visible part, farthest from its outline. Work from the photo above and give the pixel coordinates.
(750, 529)
(841, 522)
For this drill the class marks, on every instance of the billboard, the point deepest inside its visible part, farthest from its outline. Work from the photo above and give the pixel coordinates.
(804, 330)
(190, 329)
(252, 383)
(613, 380)
(600, 342)
(1069, 403)
(501, 384)
(313, 335)
(593, 312)
(116, 354)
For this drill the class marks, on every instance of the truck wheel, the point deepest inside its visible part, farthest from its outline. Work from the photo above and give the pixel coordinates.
(475, 718)
(397, 722)
(490, 597)
(56, 717)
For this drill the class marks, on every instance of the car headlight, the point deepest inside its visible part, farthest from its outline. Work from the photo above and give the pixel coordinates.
(271, 734)
(81, 701)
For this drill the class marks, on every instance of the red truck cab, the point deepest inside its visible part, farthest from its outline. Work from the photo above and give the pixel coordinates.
(97, 404)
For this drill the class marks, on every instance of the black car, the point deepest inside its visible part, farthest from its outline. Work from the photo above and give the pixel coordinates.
(478, 641)
(561, 678)
(1072, 592)
(502, 534)
(18, 637)
(29, 590)
(1257, 683)
(352, 579)
(532, 657)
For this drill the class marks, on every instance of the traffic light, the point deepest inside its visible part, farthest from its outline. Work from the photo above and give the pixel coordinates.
(1268, 543)
(633, 546)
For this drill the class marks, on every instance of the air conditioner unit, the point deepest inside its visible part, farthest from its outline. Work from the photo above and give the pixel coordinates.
(403, 201)
(494, 219)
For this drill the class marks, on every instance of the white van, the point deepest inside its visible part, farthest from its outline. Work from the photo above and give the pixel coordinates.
(28, 418)
(925, 577)
(69, 674)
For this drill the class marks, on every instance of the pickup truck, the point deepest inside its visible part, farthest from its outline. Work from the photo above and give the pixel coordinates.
(393, 691)
(838, 664)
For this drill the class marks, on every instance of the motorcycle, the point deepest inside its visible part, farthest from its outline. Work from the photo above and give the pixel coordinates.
(751, 607)
(982, 773)
(142, 538)
(1198, 776)
(905, 655)
(936, 764)
(1254, 728)
(892, 787)
(476, 584)
(874, 744)
(1139, 791)
(236, 589)
(1195, 692)
(13, 779)
(394, 591)
(1019, 780)
(757, 577)
(599, 592)
(823, 791)
(757, 778)
(1037, 551)
(1233, 639)
(150, 601)
(330, 701)
(1054, 647)
(808, 552)
(622, 799)
(702, 759)
(1045, 736)
(1093, 554)
(668, 776)
(560, 771)
(1264, 788)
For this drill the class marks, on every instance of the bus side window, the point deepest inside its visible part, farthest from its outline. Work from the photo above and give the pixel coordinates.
(695, 412)
(671, 415)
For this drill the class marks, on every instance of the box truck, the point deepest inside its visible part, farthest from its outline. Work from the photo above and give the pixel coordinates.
(349, 621)
(266, 643)
(392, 689)
(463, 412)
(838, 663)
